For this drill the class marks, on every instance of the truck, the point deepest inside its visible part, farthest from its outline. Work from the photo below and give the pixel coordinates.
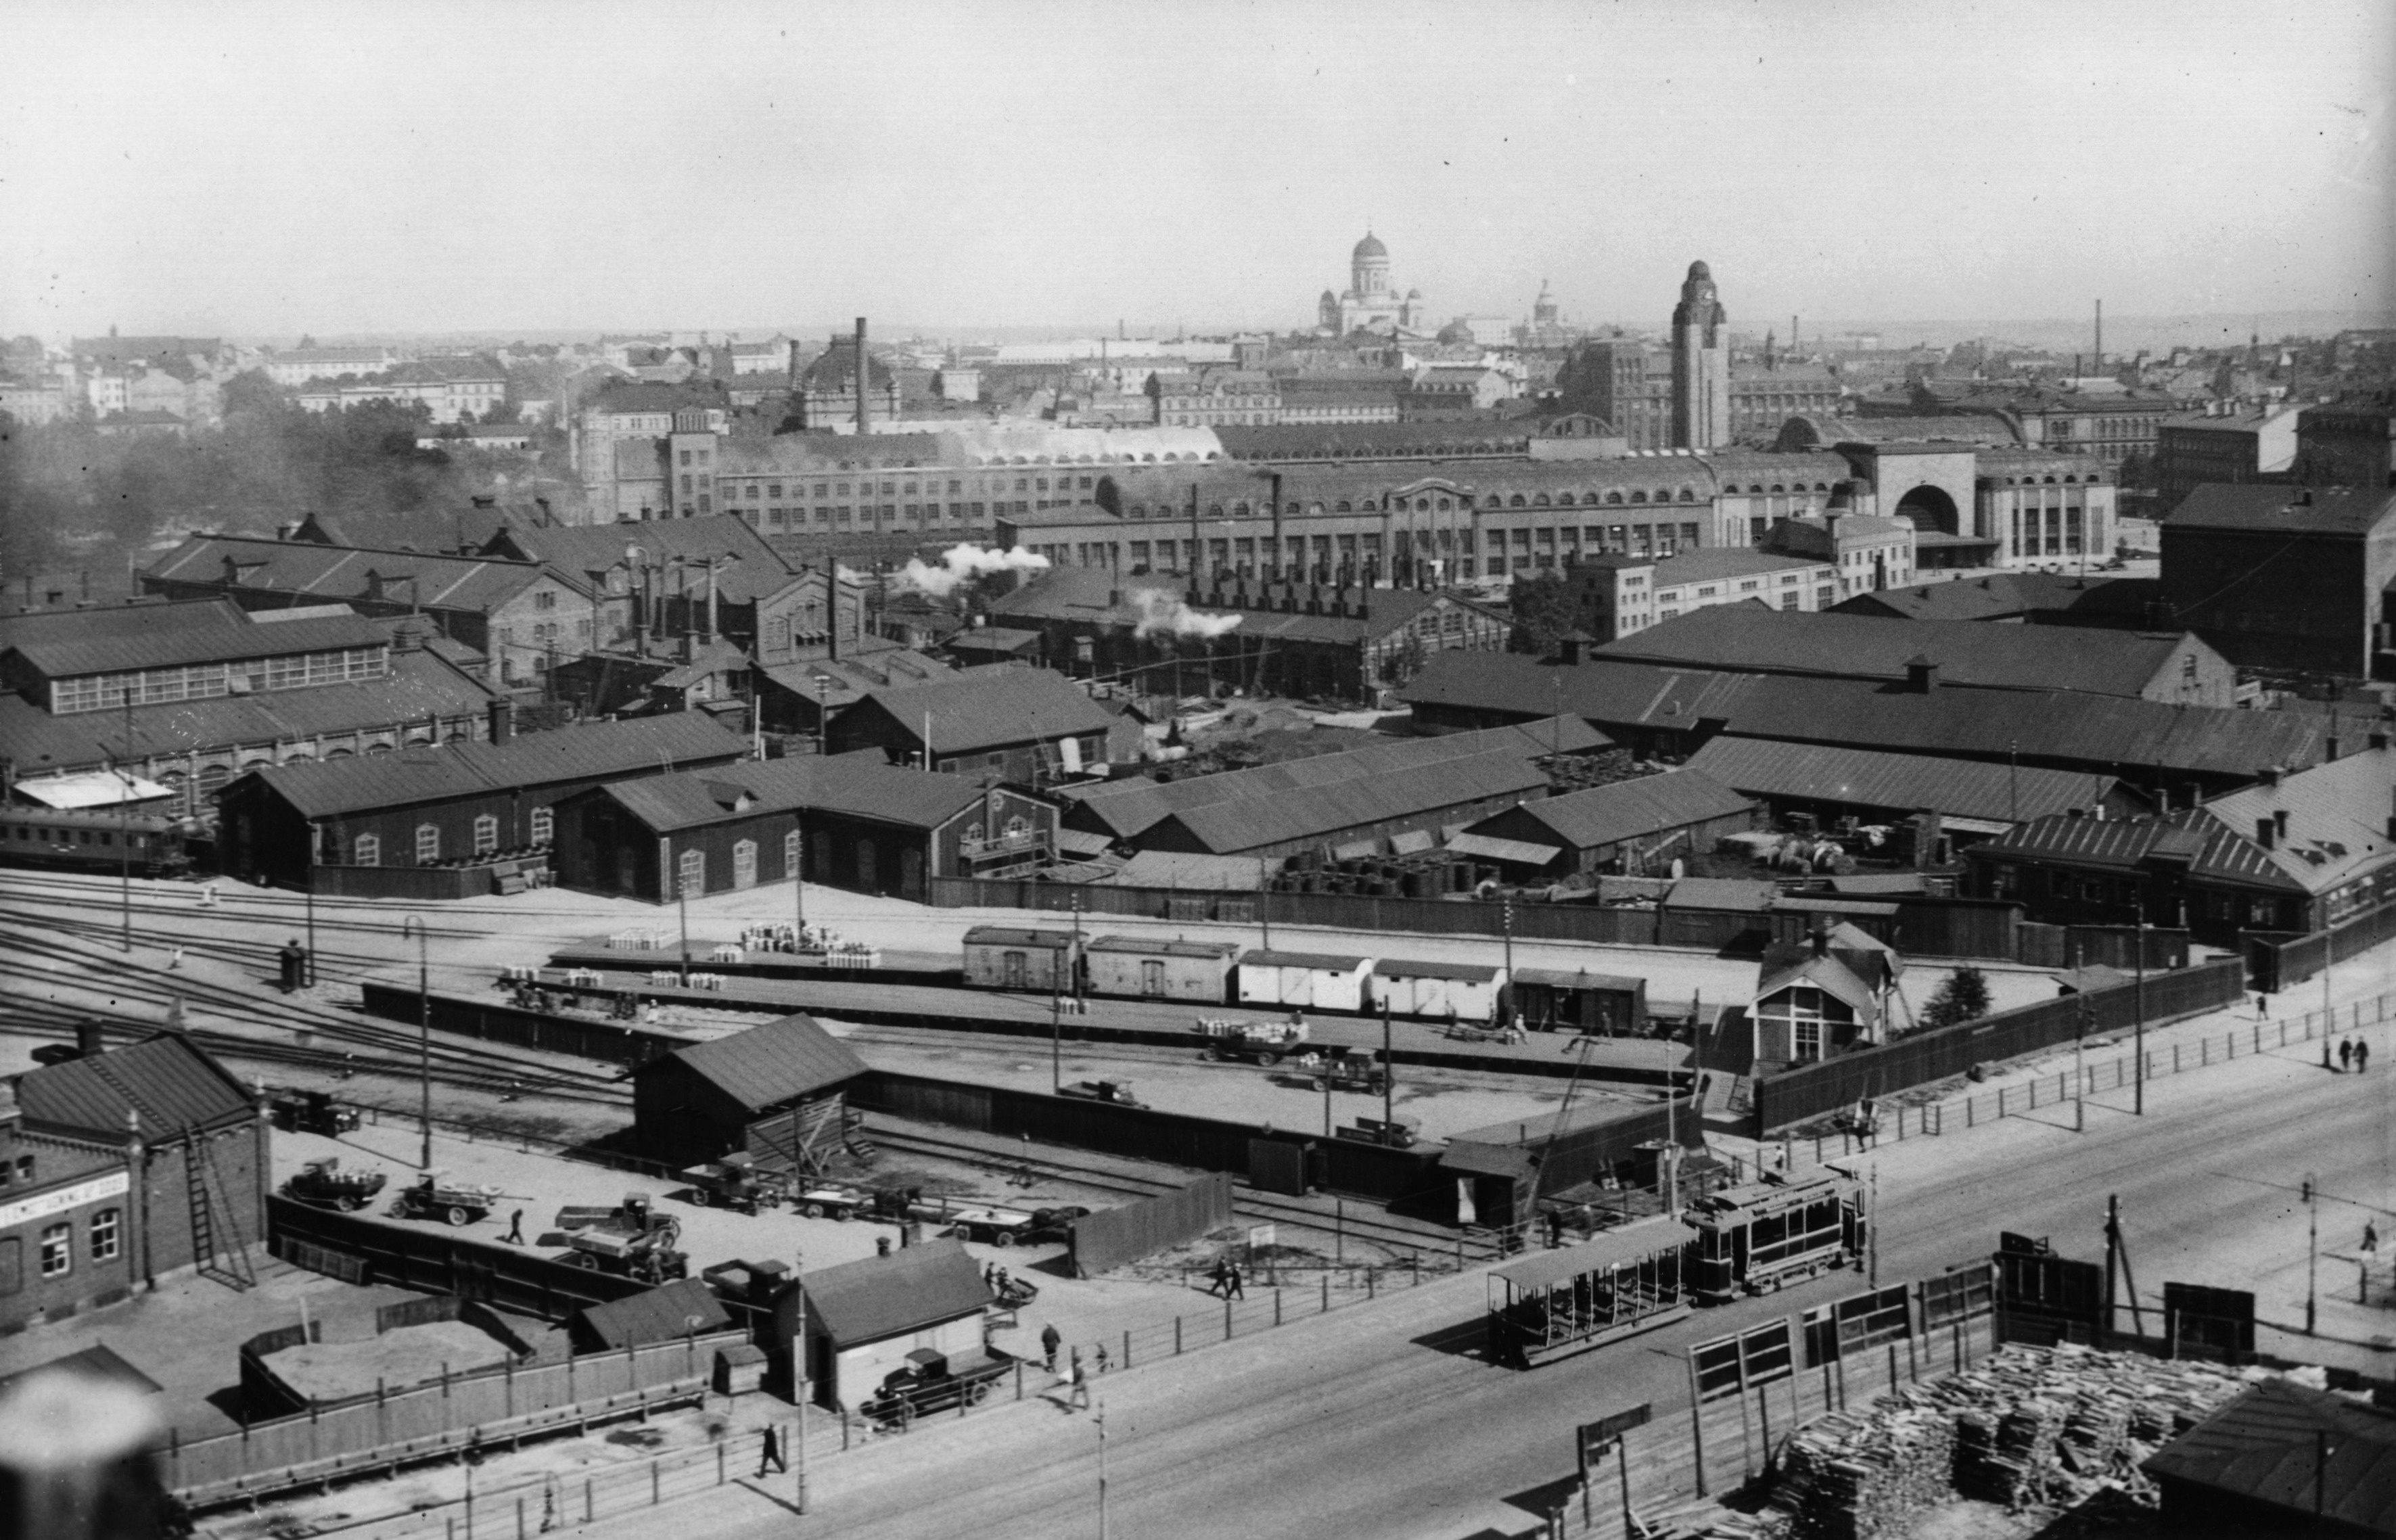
(734, 1182)
(1398, 1133)
(312, 1112)
(1265, 1042)
(1000, 1227)
(649, 1256)
(434, 1196)
(840, 1200)
(1115, 1091)
(1337, 1069)
(324, 1185)
(636, 1214)
(932, 1381)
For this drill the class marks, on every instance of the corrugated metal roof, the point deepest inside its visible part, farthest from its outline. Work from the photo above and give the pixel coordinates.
(769, 1064)
(476, 583)
(642, 745)
(169, 1081)
(1130, 807)
(661, 1314)
(2267, 1446)
(150, 636)
(1748, 638)
(1900, 783)
(1615, 1248)
(115, 622)
(2120, 844)
(1319, 812)
(1737, 894)
(2338, 817)
(1634, 809)
(911, 1290)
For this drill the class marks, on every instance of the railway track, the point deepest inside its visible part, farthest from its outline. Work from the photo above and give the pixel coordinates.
(1379, 1229)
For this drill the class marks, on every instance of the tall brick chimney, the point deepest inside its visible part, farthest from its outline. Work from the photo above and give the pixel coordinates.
(864, 410)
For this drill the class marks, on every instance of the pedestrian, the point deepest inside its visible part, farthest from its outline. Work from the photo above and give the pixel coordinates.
(1050, 1340)
(2345, 1054)
(1215, 1277)
(2260, 1009)
(1077, 1383)
(770, 1452)
(1100, 1353)
(2370, 1236)
(1555, 1229)
(989, 1276)
(515, 1229)
(2361, 1055)
(1238, 1289)
(1003, 1281)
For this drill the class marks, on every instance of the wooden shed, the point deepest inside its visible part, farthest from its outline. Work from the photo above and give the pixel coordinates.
(696, 1103)
(1011, 956)
(1448, 991)
(864, 1317)
(1551, 999)
(1312, 981)
(1157, 969)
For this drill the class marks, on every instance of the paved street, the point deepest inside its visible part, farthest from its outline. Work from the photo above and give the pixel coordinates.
(1374, 1423)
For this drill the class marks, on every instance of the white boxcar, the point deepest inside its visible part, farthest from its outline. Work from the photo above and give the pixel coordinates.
(1308, 981)
(1436, 991)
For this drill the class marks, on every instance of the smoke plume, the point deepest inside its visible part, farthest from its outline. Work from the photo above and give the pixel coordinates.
(961, 564)
(1162, 613)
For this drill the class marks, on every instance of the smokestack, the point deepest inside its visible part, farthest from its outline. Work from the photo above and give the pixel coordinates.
(503, 721)
(1821, 940)
(863, 411)
(2100, 337)
(90, 1041)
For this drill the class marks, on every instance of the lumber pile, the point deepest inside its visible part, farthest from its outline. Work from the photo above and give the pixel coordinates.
(2029, 1426)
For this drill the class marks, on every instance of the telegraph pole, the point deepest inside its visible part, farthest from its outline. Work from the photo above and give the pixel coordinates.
(2312, 1249)
(1389, 1070)
(424, 1030)
(125, 832)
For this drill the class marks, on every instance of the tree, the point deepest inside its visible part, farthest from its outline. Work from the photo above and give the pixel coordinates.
(1963, 996)
(1543, 613)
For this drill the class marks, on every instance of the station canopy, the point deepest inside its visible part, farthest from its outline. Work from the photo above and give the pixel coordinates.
(92, 789)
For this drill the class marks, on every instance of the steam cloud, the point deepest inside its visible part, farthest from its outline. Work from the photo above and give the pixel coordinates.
(961, 564)
(1162, 613)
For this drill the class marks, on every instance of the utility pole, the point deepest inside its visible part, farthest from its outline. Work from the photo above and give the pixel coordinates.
(1100, 1417)
(798, 883)
(799, 1363)
(2138, 1095)
(1389, 1070)
(2079, 1034)
(681, 903)
(125, 835)
(1056, 1023)
(424, 1030)
(2312, 1251)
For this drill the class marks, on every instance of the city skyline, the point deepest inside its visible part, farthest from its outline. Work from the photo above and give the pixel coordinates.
(261, 173)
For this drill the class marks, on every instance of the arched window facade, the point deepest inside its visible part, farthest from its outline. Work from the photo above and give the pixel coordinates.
(744, 863)
(791, 854)
(366, 849)
(428, 843)
(691, 873)
(486, 835)
(544, 826)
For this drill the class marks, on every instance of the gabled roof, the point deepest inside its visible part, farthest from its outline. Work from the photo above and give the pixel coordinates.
(1322, 810)
(661, 1314)
(769, 1066)
(1828, 973)
(588, 550)
(307, 569)
(2009, 596)
(911, 1290)
(635, 747)
(1127, 807)
(1865, 778)
(1750, 639)
(2337, 817)
(65, 642)
(1633, 809)
(169, 1081)
(2208, 845)
(2266, 1446)
(990, 709)
(1311, 961)
(855, 785)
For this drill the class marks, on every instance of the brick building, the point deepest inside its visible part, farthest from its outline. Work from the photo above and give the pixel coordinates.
(2346, 445)
(122, 1168)
(2290, 580)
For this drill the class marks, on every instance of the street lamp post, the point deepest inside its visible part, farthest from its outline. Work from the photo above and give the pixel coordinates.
(424, 1030)
(2313, 1249)
(682, 902)
(2138, 1095)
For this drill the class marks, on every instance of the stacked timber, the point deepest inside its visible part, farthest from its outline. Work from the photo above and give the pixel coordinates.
(2029, 1426)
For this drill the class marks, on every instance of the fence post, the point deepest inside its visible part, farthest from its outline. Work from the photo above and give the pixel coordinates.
(586, 1500)
(1697, 1425)
(520, 1529)
(719, 1454)
(1127, 1347)
(1176, 1336)
(1327, 1294)
(1227, 1319)
(1371, 1288)
(656, 1486)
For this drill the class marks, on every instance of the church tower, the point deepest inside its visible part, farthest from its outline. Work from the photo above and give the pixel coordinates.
(1700, 366)
(1368, 266)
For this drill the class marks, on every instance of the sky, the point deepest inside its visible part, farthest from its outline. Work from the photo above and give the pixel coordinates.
(264, 171)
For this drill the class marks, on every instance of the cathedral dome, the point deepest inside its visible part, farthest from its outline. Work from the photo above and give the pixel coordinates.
(1700, 271)
(1414, 293)
(1370, 247)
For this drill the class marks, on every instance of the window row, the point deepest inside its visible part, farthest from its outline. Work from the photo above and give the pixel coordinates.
(208, 681)
(103, 1241)
(366, 849)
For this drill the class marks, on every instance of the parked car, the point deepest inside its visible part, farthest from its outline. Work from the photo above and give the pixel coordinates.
(932, 1381)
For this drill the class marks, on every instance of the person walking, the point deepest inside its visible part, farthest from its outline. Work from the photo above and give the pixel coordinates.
(1077, 1383)
(2345, 1054)
(1215, 1284)
(1050, 1340)
(2370, 1236)
(2361, 1055)
(1236, 1287)
(771, 1452)
(515, 1229)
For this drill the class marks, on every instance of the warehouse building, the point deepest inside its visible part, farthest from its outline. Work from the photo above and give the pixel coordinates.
(2280, 1459)
(1126, 811)
(2290, 580)
(122, 1168)
(1627, 828)
(699, 1102)
(859, 824)
(1971, 798)
(1029, 725)
(345, 827)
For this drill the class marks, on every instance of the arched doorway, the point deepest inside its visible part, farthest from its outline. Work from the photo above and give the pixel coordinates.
(1930, 507)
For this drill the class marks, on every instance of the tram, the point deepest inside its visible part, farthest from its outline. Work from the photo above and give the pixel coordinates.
(1766, 1235)
(1558, 1303)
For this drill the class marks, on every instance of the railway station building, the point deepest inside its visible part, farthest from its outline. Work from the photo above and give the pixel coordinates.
(438, 822)
(122, 1168)
(1028, 726)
